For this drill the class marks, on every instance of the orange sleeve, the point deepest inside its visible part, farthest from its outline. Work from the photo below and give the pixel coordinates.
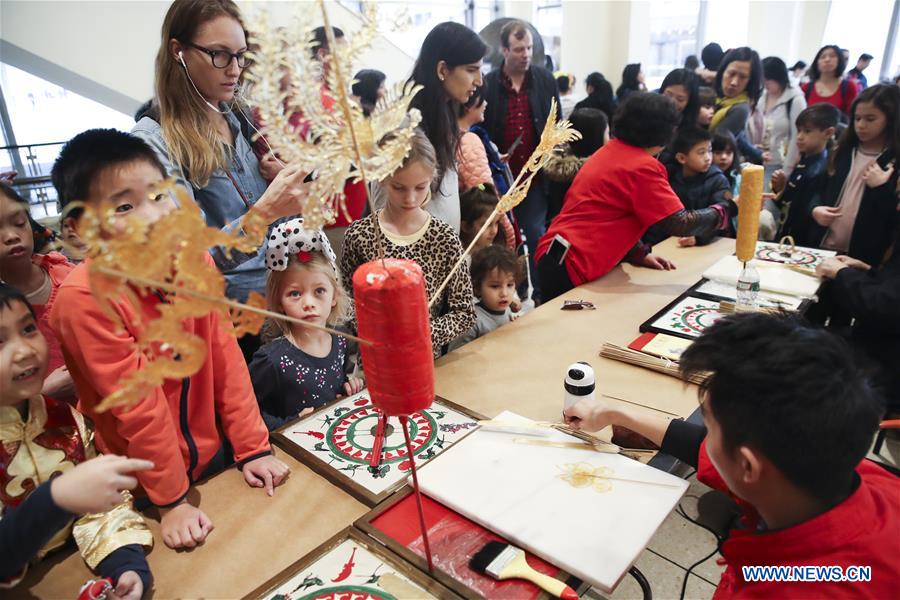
(236, 404)
(99, 356)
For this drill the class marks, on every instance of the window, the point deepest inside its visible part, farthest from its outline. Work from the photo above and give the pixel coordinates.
(43, 116)
(673, 36)
(844, 29)
(42, 112)
(548, 18)
(423, 17)
(484, 12)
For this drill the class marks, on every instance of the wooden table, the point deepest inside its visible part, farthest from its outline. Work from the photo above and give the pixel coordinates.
(518, 367)
(521, 366)
(255, 537)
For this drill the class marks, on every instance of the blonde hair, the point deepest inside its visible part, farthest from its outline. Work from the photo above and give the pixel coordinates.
(193, 142)
(420, 150)
(318, 263)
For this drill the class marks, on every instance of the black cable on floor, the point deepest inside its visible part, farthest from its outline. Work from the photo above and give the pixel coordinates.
(641, 581)
(719, 541)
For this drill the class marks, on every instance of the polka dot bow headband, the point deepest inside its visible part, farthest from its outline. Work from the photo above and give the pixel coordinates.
(292, 239)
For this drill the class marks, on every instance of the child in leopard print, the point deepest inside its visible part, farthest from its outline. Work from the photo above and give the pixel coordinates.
(304, 368)
(408, 231)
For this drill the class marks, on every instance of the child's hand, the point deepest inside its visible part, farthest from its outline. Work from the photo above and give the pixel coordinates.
(59, 384)
(854, 263)
(687, 242)
(129, 587)
(354, 385)
(875, 176)
(96, 485)
(654, 261)
(778, 181)
(829, 268)
(184, 526)
(825, 215)
(267, 472)
(589, 415)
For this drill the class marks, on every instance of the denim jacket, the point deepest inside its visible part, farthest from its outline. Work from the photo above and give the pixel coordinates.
(221, 203)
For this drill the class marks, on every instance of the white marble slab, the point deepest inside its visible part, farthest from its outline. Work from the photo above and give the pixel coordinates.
(516, 491)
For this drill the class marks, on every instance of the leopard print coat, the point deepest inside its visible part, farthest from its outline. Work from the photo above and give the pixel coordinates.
(436, 252)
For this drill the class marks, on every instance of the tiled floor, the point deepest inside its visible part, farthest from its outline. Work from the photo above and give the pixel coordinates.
(679, 543)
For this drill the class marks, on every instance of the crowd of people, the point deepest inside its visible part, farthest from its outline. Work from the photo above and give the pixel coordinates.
(650, 164)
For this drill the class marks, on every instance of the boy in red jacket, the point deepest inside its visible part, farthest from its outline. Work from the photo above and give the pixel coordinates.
(180, 425)
(788, 420)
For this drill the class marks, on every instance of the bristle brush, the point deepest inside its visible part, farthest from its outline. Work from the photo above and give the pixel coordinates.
(504, 561)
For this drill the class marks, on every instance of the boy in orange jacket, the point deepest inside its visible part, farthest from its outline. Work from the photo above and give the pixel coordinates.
(788, 421)
(177, 426)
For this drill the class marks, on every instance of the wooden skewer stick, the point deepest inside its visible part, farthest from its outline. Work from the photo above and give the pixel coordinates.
(462, 258)
(168, 287)
(614, 478)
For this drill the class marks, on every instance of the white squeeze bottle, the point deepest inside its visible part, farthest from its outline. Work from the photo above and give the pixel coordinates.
(579, 384)
(747, 288)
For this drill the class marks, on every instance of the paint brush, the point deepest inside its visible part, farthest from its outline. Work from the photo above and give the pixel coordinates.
(504, 561)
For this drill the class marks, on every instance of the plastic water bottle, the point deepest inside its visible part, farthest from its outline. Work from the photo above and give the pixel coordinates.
(747, 288)
(579, 383)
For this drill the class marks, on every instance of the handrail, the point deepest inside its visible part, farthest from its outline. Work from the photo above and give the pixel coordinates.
(31, 145)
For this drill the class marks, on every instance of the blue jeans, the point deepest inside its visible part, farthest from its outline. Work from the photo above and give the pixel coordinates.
(532, 216)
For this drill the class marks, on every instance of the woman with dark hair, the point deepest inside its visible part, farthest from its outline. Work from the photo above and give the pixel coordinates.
(449, 70)
(856, 213)
(566, 161)
(738, 85)
(632, 81)
(682, 86)
(369, 88)
(827, 83)
(618, 194)
(779, 105)
(711, 55)
(797, 73)
(599, 95)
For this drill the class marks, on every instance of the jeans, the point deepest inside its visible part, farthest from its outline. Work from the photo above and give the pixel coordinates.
(531, 214)
(554, 277)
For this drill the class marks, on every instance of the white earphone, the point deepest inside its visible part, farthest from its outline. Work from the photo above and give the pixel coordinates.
(194, 85)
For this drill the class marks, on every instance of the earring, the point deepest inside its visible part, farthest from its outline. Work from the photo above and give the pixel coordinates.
(442, 77)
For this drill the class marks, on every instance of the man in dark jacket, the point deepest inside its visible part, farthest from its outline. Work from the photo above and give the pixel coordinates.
(519, 96)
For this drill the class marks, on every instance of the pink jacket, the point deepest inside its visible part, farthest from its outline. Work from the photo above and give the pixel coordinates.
(472, 162)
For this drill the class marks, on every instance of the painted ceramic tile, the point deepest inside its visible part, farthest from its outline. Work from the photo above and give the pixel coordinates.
(690, 317)
(806, 258)
(342, 436)
(348, 571)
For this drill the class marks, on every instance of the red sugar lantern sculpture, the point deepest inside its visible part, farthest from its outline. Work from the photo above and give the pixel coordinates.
(392, 313)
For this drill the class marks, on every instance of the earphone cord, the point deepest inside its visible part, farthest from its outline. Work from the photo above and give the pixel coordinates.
(239, 94)
(207, 102)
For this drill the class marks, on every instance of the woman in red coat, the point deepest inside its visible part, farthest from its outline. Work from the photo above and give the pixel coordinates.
(619, 193)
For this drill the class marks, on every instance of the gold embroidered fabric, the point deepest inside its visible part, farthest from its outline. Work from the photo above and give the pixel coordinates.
(32, 464)
(99, 534)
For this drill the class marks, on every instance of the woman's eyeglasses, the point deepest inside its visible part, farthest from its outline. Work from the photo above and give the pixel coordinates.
(221, 58)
